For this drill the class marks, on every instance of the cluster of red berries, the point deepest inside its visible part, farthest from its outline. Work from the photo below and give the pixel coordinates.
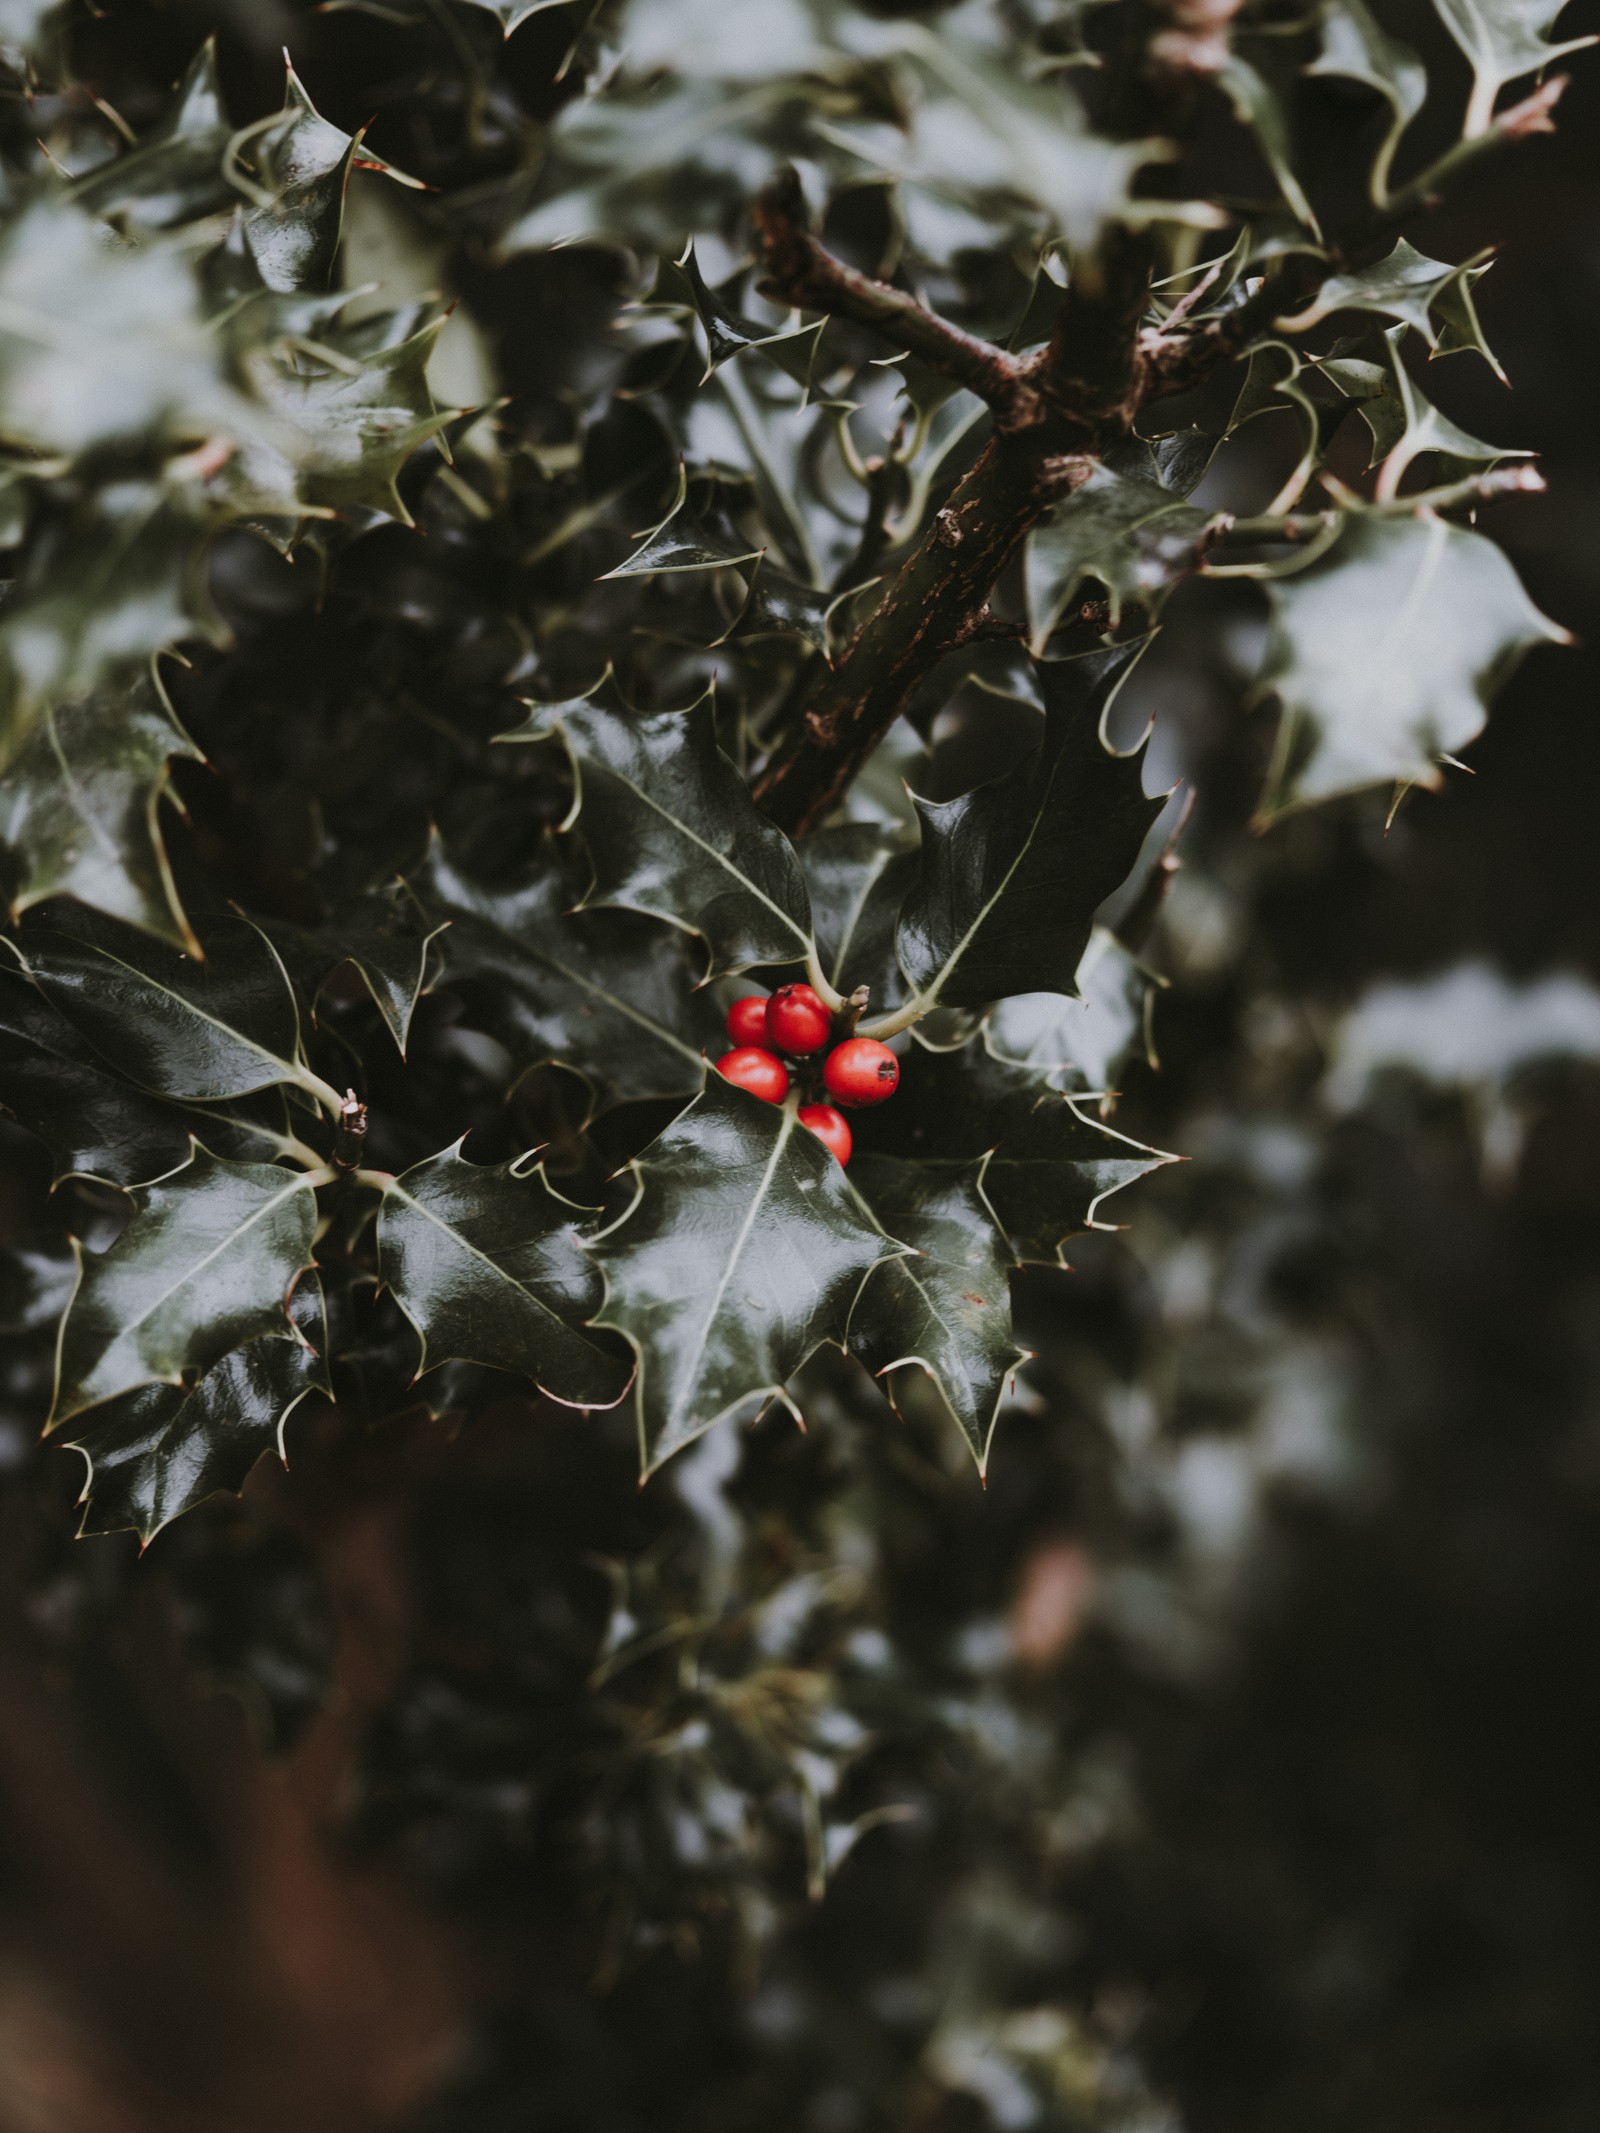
(795, 1024)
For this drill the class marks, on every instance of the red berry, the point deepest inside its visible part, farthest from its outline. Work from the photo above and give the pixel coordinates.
(861, 1071)
(830, 1127)
(747, 1020)
(751, 1068)
(797, 1021)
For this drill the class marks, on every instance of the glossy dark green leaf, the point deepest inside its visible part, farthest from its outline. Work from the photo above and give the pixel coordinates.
(1357, 48)
(702, 539)
(741, 1255)
(175, 172)
(487, 1266)
(1404, 422)
(1385, 652)
(108, 580)
(947, 1310)
(1404, 285)
(603, 992)
(80, 808)
(155, 1453)
(1455, 309)
(777, 605)
(299, 165)
(383, 936)
(1260, 87)
(1013, 873)
(671, 830)
(205, 1264)
(1046, 1163)
(859, 874)
(96, 1124)
(1126, 528)
(178, 1026)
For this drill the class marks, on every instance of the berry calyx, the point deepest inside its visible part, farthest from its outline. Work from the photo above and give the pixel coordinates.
(797, 1021)
(861, 1071)
(747, 1020)
(748, 1067)
(830, 1127)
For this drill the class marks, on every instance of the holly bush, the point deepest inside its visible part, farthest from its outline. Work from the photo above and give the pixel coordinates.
(693, 515)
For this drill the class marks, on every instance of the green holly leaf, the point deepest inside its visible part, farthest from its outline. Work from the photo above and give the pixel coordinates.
(1503, 40)
(777, 605)
(1384, 654)
(382, 936)
(671, 830)
(859, 874)
(1404, 422)
(1261, 103)
(1356, 48)
(205, 1264)
(948, 1308)
(1013, 873)
(680, 286)
(178, 1026)
(156, 1452)
(740, 1256)
(1405, 286)
(687, 540)
(1082, 1044)
(80, 808)
(110, 578)
(1127, 527)
(488, 1267)
(297, 165)
(175, 174)
(1046, 1166)
(602, 992)
(1456, 310)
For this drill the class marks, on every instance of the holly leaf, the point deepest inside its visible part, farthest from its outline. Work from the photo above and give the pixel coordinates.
(1045, 1166)
(1456, 309)
(110, 578)
(1405, 285)
(948, 1308)
(671, 830)
(297, 165)
(859, 874)
(156, 1452)
(1126, 527)
(1503, 40)
(94, 1123)
(684, 540)
(382, 937)
(205, 1264)
(80, 808)
(1013, 873)
(1384, 654)
(1261, 104)
(177, 1026)
(1080, 1044)
(1404, 422)
(100, 340)
(602, 992)
(740, 1256)
(175, 174)
(1355, 47)
(487, 1266)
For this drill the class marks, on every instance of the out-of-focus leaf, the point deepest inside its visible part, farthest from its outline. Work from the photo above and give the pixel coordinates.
(80, 808)
(777, 605)
(154, 1453)
(174, 174)
(1384, 654)
(1080, 1044)
(1355, 47)
(603, 992)
(1260, 104)
(171, 1023)
(1013, 873)
(107, 581)
(1456, 311)
(205, 1264)
(1503, 40)
(742, 1254)
(701, 540)
(859, 874)
(1125, 527)
(101, 340)
(671, 830)
(948, 1309)
(487, 1266)
(1404, 422)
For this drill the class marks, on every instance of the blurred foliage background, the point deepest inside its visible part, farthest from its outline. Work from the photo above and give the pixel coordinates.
(1228, 1763)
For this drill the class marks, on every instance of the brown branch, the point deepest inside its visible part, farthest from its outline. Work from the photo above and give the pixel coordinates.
(801, 271)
